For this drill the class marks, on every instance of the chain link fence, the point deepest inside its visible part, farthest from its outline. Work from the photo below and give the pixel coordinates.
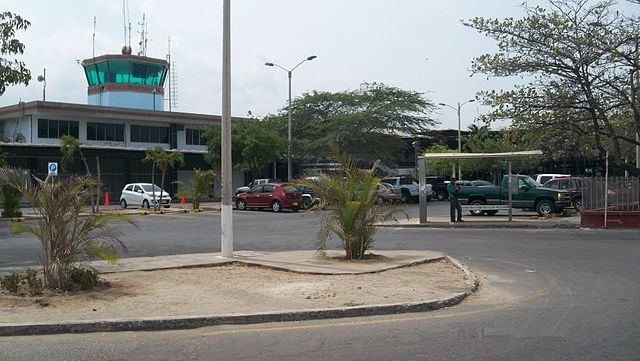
(613, 193)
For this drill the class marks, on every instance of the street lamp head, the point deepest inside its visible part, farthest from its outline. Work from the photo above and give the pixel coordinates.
(442, 104)
(268, 64)
(471, 100)
(311, 57)
(41, 78)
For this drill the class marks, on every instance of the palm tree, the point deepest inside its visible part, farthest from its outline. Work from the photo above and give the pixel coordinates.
(163, 160)
(69, 145)
(65, 237)
(200, 186)
(351, 194)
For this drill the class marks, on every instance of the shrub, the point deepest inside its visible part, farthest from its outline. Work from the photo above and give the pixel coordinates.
(35, 284)
(351, 193)
(11, 282)
(83, 278)
(65, 237)
(11, 202)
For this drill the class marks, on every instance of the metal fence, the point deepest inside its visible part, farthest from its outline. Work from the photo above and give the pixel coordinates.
(613, 193)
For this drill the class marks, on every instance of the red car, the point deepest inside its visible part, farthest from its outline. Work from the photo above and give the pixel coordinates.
(573, 185)
(271, 195)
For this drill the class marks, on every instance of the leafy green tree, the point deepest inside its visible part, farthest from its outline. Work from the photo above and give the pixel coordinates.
(12, 72)
(254, 144)
(351, 194)
(198, 188)
(581, 61)
(65, 237)
(162, 160)
(366, 123)
(439, 166)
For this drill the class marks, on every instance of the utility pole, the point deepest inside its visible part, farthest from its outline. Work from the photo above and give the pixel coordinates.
(227, 205)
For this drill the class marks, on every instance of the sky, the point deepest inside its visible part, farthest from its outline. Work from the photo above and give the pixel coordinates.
(417, 45)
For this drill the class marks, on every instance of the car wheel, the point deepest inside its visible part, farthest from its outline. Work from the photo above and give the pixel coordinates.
(577, 203)
(441, 196)
(405, 195)
(380, 200)
(123, 203)
(476, 202)
(275, 206)
(544, 207)
(241, 205)
(145, 204)
(306, 203)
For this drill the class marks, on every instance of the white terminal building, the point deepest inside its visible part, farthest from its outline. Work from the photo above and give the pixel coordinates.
(124, 117)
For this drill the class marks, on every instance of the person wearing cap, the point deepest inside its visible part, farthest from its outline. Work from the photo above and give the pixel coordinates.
(454, 205)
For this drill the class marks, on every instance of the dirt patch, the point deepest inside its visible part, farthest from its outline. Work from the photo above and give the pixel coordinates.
(234, 289)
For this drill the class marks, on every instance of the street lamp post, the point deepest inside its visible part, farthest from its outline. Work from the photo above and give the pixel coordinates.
(459, 132)
(43, 79)
(289, 135)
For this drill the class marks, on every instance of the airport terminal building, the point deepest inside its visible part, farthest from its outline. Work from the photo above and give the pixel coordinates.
(123, 118)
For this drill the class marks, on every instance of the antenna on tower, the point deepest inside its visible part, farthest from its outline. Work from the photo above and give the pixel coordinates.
(173, 80)
(126, 49)
(94, 37)
(143, 36)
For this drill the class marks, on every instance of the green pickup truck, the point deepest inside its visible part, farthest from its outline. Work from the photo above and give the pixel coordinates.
(526, 194)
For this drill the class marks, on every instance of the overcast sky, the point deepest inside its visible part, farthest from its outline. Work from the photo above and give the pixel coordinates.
(417, 45)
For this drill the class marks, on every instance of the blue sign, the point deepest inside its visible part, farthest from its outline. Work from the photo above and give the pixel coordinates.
(53, 168)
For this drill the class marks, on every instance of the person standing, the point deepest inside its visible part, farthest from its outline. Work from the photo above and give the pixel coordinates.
(454, 205)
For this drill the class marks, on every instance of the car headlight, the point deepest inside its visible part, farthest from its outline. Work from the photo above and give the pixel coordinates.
(559, 197)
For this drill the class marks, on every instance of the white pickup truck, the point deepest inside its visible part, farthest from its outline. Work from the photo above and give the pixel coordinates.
(408, 188)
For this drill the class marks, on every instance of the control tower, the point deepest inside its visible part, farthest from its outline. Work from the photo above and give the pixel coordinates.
(125, 80)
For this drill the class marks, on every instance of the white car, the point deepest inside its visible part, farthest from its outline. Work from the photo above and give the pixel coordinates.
(141, 195)
(408, 188)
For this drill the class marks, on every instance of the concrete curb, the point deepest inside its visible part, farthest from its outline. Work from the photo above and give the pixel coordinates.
(174, 323)
(484, 225)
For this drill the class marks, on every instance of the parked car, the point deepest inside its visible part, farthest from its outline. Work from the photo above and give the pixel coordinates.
(526, 194)
(544, 178)
(308, 196)
(386, 193)
(276, 196)
(438, 187)
(141, 195)
(573, 185)
(252, 184)
(408, 188)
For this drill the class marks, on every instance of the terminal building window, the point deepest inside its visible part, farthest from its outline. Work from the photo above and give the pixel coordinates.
(54, 129)
(146, 134)
(105, 131)
(194, 137)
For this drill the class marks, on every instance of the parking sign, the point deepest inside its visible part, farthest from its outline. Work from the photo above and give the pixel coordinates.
(53, 168)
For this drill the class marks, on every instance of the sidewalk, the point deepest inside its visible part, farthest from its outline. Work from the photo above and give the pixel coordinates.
(518, 221)
(187, 291)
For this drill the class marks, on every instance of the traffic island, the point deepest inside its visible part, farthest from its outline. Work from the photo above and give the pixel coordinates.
(191, 291)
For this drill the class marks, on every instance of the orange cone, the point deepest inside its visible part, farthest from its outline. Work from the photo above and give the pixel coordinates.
(182, 200)
(106, 199)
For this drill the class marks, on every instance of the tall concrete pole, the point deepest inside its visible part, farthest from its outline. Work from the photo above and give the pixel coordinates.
(459, 144)
(227, 205)
(289, 137)
(638, 151)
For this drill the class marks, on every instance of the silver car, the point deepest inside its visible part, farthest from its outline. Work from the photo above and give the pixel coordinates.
(141, 195)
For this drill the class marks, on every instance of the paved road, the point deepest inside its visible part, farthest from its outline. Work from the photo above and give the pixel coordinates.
(555, 294)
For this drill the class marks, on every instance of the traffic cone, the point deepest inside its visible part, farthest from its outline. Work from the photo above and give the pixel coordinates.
(106, 199)
(182, 199)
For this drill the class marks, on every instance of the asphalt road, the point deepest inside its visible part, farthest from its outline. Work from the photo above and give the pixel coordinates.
(550, 294)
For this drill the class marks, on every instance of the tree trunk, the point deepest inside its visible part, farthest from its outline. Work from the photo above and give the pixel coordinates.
(153, 183)
(88, 172)
(99, 190)
(161, 188)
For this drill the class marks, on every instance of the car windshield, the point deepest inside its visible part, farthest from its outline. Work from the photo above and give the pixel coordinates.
(530, 182)
(147, 188)
(290, 188)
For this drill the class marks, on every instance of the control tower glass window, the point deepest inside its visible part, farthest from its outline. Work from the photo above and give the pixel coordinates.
(125, 72)
(119, 71)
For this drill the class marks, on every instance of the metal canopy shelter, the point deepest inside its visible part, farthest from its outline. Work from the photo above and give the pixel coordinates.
(422, 169)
